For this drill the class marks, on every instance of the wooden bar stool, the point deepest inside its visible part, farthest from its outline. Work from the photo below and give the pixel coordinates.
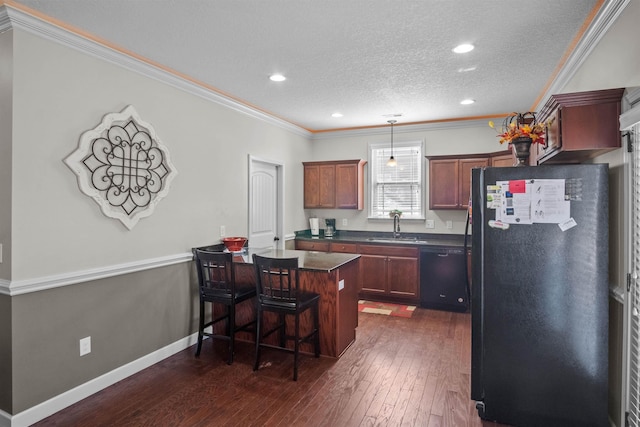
(277, 288)
(217, 284)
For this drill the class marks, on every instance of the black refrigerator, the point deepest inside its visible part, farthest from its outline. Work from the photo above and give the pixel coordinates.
(539, 295)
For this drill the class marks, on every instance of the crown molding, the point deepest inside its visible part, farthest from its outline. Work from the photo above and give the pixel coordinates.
(5, 22)
(406, 128)
(15, 18)
(603, 20)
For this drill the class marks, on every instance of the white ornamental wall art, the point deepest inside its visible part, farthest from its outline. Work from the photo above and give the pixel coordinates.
(123, 166)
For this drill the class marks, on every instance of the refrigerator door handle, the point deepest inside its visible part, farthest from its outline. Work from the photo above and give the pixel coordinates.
(477, 300)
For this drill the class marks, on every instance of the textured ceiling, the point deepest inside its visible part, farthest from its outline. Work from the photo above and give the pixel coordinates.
(364, 58)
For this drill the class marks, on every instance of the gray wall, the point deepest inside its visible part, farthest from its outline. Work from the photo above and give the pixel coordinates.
(126, 316)
(5, 353)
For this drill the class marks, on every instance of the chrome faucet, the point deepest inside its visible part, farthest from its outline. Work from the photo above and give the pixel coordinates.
(396, 226)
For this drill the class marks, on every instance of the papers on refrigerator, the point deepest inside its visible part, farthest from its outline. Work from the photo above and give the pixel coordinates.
(529, 201)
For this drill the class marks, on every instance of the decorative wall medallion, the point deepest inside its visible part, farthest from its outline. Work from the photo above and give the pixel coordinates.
(123, 166)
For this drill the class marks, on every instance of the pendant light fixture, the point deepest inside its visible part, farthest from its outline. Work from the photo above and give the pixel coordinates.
(392, 161)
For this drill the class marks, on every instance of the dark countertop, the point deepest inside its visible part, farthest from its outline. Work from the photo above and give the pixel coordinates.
(376, 237)
(307, 260)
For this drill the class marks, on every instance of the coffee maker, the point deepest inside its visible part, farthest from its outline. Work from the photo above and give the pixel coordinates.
(330, 230)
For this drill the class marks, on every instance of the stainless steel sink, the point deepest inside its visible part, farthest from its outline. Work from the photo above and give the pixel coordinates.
(396, 240)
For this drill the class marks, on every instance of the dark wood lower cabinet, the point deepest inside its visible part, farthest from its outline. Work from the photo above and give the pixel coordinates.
(402, 277)
(389, 272)
(373, 274)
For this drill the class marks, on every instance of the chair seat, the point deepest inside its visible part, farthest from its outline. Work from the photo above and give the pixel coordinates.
(224, 297)
(305, 300)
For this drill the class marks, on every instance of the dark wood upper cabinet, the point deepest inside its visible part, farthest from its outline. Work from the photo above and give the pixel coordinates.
(450, 180)
(502, 159)
(585, 125)
(334, 184)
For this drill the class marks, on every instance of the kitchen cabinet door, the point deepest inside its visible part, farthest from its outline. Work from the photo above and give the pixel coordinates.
(450, 181)
(465, 178)
(311, 186)
(348, 187)
(402, 277)
(444, 181)
(373, 274)
(319, 186)
(503, 160)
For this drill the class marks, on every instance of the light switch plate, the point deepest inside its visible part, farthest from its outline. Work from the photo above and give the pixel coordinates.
(449, 224)
(431, 223)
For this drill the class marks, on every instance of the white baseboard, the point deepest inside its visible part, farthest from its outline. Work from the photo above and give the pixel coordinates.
(68, 398)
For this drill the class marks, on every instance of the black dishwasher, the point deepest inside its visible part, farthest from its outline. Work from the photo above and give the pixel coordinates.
(443, 278)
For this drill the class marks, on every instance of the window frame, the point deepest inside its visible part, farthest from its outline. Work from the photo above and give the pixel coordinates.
(386, 146)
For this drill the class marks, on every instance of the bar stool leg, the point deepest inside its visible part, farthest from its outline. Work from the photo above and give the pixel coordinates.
(200, 328)
(296, 348)
(258, 337)
(231, 326)
(316, 321)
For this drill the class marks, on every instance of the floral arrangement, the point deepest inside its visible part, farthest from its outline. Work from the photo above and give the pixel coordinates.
(394, 212)
(521, 125)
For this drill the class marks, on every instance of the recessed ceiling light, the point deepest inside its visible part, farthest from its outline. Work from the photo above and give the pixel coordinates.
(336, 115)
(467, 101)
(277, 78)
(466, 69)
(463, 48)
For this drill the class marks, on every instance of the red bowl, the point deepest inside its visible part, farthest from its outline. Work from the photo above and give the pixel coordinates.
(234, 244)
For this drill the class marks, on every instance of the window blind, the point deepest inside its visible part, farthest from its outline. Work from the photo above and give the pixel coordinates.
(398, 187)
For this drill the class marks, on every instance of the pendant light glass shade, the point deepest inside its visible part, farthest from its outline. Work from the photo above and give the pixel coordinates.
(392, 161)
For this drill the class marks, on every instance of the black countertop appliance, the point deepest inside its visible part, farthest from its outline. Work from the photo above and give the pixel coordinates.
(330, 229)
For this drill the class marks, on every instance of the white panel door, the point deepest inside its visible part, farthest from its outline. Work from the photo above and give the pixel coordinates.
(264, 204)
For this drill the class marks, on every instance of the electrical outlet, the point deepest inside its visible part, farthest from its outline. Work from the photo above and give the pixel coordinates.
(223, 231)
(431, 223)
(449, 224)
(85, 346)
(345, 222)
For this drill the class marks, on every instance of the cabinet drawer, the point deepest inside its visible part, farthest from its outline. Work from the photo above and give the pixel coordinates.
(349, 248)
(306, 245)
(388, 250)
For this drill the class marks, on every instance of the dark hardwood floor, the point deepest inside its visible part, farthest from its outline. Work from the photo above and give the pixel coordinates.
(399, 372)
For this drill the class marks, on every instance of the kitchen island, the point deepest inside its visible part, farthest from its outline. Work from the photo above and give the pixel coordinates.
(334, 276)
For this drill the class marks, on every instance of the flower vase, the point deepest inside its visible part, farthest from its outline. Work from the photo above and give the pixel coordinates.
(522, 147)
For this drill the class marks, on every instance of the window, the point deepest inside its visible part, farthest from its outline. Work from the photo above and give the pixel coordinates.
(398, 187)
